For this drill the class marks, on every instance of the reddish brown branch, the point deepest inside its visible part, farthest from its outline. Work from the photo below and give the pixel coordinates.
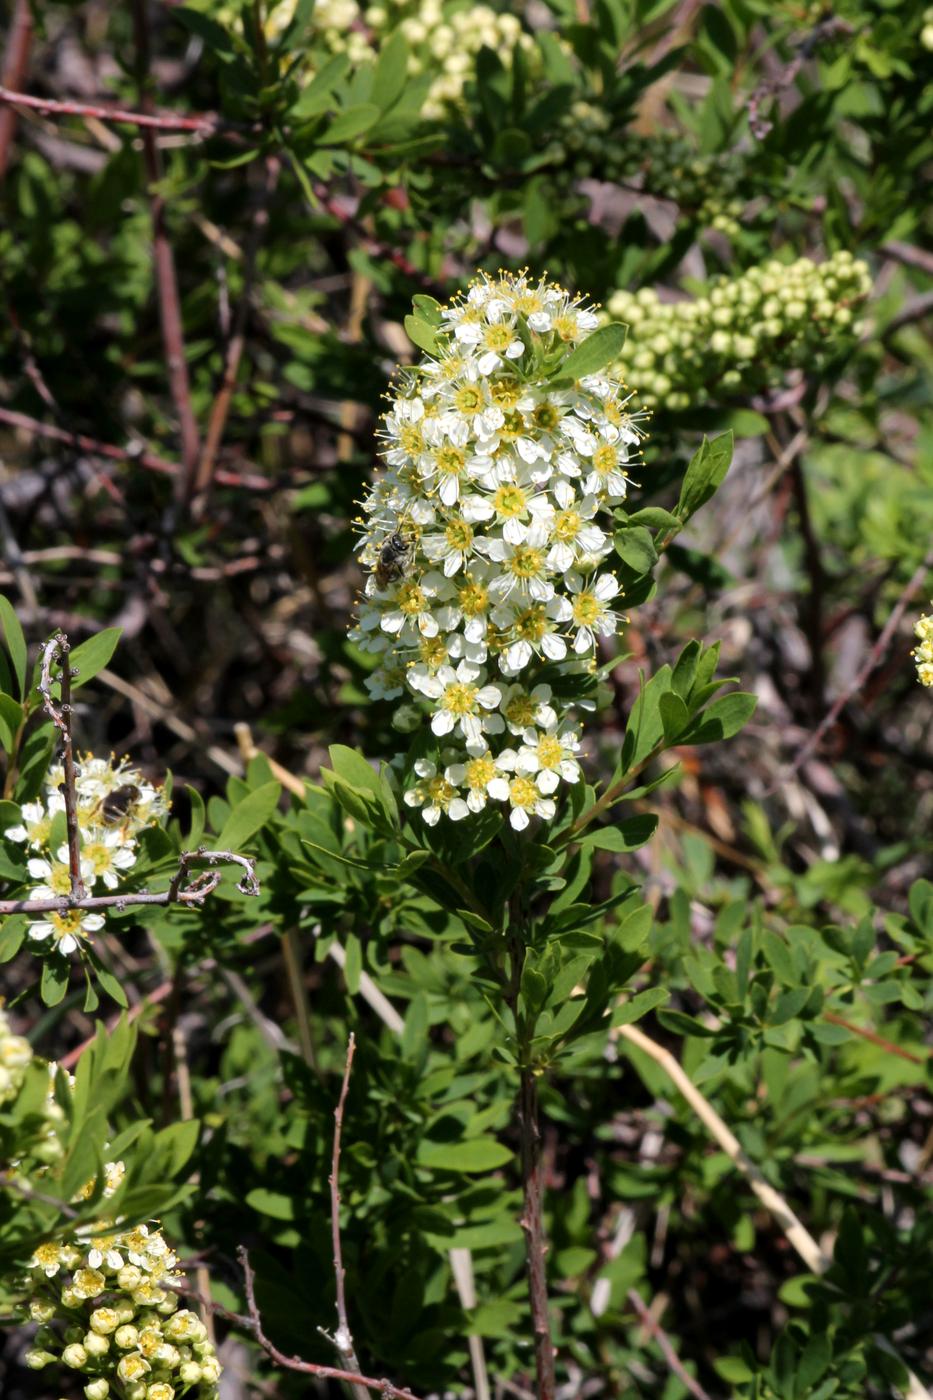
(873, 659)
(14, 72)
(664, 1342)
(532, 1222)
(253, 1324)
(221, 406)
(173, 338)
(342, 1338)
(111, 452)
(874, 1037)
(207, 125)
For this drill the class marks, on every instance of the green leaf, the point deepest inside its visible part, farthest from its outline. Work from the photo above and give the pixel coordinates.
(247, 817)
(92, 656)
(11, 717)
(420, 334)
(16, 642)
(628, 835)
(317, 95)
(391, 75)
(674, 716)
(705, 474)
(639, 1005)
(479, 1154)
(722, 719)
(599, 349)
(272, 1203)
(350, 123)
(56, 971)
(635, 547)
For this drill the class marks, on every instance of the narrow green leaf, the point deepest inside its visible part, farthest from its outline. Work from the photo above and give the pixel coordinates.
(350, 123)
(420, 334)
(248, 817)
(92, 656)
(480, 1154)
(599, 349)
(704, 475)
(16, 642)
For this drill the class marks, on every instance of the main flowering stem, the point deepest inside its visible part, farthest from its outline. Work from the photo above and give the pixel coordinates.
(532, 1220)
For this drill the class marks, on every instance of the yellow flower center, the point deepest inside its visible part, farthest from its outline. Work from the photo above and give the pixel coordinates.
(526, 562)
(513, 427)
(546, 417)
(528, 302)
(65, 924)
(498, 638)
(411, 599)
(46, 1254)
(479, 772)
(473, 599)
(586, 609)
(510, 500)
(412, 439)
(550, 753)
(60, 879)
(520, 711)
(566, 327)
(468, 399)
(506, 393)
(498, 338)
(523, 793)
(439, 792)
(459, 535)
(567, 524)
(459, 699)
(531, 625)
(605, 459)
(99, 855)
(432, 651)
(450, 461)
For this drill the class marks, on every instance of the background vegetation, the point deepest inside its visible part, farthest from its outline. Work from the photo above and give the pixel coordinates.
(203, 300)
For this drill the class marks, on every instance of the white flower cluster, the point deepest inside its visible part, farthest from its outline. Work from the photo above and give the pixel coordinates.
(114, 803)
(109, 1316)
(487, 538)
(923, 654)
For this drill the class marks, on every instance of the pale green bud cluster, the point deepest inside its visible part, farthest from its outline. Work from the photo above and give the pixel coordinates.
(104, 1310)
(742, 334)
(663, 164)
(926, 33)
(923, 654)
(15, 1056)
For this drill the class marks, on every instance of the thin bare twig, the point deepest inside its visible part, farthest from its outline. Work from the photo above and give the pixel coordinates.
(253, 1323)
(95, 448)
(204, 125)
(14, 72)
(220, 409)
(173, 337)
(650, 1324)
(201, 886)
(30, 1193)
(873, 659)
(342, 1338)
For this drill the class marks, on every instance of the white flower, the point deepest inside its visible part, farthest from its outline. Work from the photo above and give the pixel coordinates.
(37, 821)
(415, 610)
(607, 477)
(434, 794)
(572, 530)
(525, 797)
(105, 853)
(461, 702)
(476, 775)
(532, 632)
(588, 609)
(523, 566)
(454, 547)
(550, 756)
(523, 709)
(66, 929)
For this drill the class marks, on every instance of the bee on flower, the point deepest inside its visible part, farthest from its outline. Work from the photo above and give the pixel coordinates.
(510, 470)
